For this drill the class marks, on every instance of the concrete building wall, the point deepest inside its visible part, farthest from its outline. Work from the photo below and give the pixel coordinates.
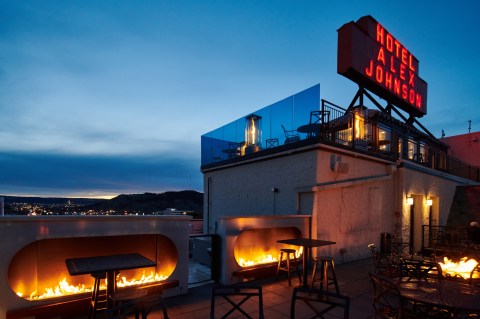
(248, 189)
(422, 184)
(352, 197)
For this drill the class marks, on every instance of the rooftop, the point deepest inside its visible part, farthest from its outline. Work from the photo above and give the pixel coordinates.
(352, 277)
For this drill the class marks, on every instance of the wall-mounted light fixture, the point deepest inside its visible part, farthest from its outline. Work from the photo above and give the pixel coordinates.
(429, 202)
(409, 200)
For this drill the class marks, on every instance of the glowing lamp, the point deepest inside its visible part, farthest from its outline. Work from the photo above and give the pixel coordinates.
(409, 200)
(429, 202)
(253, 133)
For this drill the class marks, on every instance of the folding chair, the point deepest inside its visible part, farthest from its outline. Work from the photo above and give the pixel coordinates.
(236, 296)
(319, 302)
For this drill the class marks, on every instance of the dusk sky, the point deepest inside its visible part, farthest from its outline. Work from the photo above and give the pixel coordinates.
(100, 98)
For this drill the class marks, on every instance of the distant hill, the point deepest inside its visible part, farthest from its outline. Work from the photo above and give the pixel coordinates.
(191, 201)
(153, 202)
(49, 200)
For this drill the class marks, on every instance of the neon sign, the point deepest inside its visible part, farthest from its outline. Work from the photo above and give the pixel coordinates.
(372, 57)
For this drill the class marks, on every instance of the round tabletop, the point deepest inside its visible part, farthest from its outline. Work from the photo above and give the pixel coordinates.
(442, 293)
(309, 128)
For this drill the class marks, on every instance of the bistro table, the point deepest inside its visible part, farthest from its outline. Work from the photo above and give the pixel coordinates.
(101, 267)
(452, 296)
(311, 129)
(307, 244)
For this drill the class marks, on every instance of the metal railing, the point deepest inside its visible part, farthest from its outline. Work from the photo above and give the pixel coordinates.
(447, 240)
(340, 131)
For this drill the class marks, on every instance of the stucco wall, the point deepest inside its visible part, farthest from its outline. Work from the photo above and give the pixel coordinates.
(248, 189)
(351, 203)
(421, 184)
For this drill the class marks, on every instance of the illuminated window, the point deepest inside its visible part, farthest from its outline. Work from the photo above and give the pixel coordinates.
(412, 149)
(344, 137)
(384, 139)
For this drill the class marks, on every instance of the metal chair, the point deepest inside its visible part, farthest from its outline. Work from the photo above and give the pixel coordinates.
(271, 142)
(386, 300)
(319, 303)
(291, 136)
(236, 296)
(385, 265)
(388, 303)
(414, 270)
(319, 117)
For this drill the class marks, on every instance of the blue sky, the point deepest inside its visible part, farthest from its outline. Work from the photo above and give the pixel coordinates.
(99, 98)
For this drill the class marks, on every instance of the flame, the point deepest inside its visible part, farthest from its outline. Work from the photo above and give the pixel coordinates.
(152, 277)
(259, 259)
(253, 132)
(463, 268)
(64, 288)
(357, 126)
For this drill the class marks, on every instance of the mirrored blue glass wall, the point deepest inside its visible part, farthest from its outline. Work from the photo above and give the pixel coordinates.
(266, 128)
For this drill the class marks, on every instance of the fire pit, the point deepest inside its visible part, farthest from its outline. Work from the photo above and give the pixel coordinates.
(250, 248)
(464, 269)
(34, 250)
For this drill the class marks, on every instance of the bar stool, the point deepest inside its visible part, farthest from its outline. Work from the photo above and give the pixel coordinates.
(98, 301)
(289, 262)
(326, 279)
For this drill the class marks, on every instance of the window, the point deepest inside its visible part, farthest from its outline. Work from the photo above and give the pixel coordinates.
(423, 157)
(412, 149)
(384, 139)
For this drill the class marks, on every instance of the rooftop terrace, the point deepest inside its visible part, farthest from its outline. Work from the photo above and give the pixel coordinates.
(304, 119)
(352, 277)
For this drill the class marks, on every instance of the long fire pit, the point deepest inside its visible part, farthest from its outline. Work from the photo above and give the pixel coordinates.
(249, 244)
(34, 249)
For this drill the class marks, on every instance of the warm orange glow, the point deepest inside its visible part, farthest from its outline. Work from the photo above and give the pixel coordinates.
(64, 288)
(144, 279)
(259, 245)
(253, 132)
(259, 258)
(358, 127)
(462, 268)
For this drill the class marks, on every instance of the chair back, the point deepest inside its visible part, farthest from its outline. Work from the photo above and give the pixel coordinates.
(290, 135)
(271, 142)
(236, 296)
(414, 270)
(319, 117)
(318, 303)
(385, 265)
(386, 299)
